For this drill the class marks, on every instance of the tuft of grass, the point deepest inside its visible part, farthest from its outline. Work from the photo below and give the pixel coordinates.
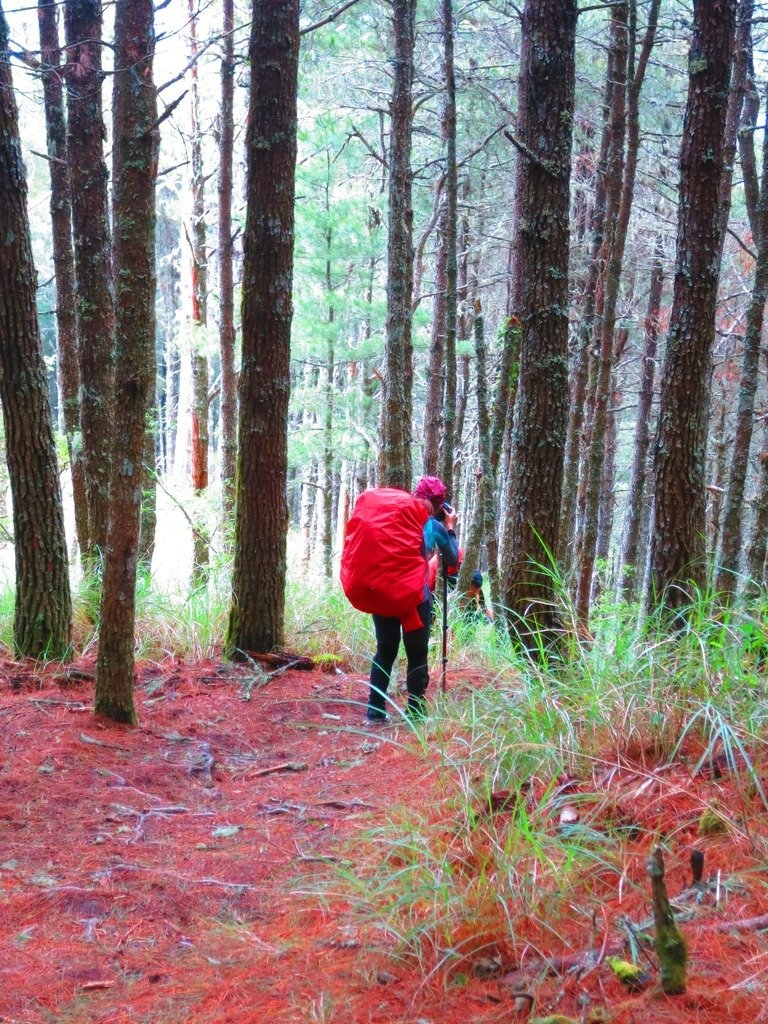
(490, 865)
(320, 621)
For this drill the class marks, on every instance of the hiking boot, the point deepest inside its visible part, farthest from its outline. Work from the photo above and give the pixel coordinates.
(375, 718)
(416, 710)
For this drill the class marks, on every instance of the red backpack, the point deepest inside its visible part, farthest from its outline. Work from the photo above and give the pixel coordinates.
(383, 570)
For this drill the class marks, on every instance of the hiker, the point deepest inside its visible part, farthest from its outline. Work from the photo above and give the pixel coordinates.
(437, 536)
(476, 609)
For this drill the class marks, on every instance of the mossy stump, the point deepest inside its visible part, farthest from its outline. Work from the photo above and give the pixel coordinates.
(670, 944)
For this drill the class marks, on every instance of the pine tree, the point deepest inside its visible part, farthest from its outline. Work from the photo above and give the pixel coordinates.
(546, 88)
(42, 612)
(677, 554)
(257, 612)
(93, 257)
(395, 468)
(63, 256)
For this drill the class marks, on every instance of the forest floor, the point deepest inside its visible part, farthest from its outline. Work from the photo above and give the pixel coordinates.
(164, 873)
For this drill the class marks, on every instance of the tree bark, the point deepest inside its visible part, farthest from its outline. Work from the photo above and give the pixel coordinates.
(718, 458)
(610, 262)
(742, 61)
(448, 130)
(608, 483)
(677, 563)
(199, 291)
(433, 410)
(330, 358)
(148, 527)
(574, 483)
(42, 612)
(135, 154)
(746, 139)
(257, 614)
(508, 367)
(227, 335)
(506, 388)
(93, 258)
(631, 565)
(546, 87)
(484, 525)
(759, 541)
(63, 257)
(726, 578)
(168, 277)
(305, 520)
(620, 177)
(395, 469)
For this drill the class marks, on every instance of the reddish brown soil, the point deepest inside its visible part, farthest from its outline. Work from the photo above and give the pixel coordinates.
(120, 901)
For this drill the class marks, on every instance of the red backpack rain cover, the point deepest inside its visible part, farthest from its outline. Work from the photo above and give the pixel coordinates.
(383, 571)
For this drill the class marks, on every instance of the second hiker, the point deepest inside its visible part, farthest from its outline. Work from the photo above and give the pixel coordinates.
(438, 535)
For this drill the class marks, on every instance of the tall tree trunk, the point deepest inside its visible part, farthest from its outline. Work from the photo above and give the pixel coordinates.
(151, 466)
(63, 257)
(172, 394)
(135, 154)
(395, 468)
(742, 60)
(168, 277)
(43, 609)
(506, 388)
(725, 581)
(451, 266)
(305, 521)
(484, 524)
(620, 177)
(574, 483)
(93, 258)
(546, 88)
(508, 365)
(631, 567)
(226, 267)
(330, 358)
(746, 139)
(257, 614)
(610, 261)
(718, 460)
(464, 319)
(199, 291)
(759, 541)
(608, 483)
(677, 563)
(433, 409)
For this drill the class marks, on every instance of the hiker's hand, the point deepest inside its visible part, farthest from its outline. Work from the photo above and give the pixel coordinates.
(450, 521)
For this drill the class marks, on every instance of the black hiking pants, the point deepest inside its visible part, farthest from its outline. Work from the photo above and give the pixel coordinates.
(416, 642)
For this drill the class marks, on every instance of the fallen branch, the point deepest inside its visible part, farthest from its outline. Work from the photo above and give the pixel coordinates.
(121, 866)
(747, 924)
(342, 805)
(286, 766)
(85, 738)
(282, 659)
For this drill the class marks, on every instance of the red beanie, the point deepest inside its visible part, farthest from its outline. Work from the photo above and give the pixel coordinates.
(430, 487)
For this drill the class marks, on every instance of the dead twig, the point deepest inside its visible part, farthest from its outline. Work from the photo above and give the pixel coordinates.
(752, 924)
(286, 766)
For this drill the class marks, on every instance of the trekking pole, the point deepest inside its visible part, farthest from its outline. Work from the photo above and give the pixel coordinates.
(445, 628)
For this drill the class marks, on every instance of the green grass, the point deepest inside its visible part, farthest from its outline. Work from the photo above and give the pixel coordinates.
(450, 884)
